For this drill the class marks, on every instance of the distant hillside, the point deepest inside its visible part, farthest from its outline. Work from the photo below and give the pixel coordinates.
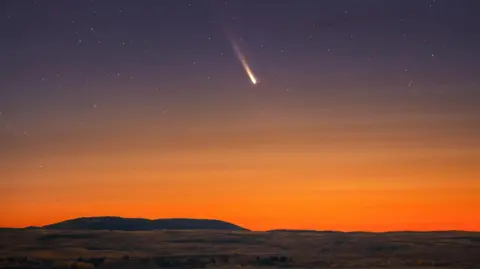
(137, 224)
(300, 231)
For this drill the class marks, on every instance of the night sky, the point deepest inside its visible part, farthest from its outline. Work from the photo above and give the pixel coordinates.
(145, 108)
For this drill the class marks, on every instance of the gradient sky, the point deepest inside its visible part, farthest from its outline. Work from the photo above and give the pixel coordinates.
(366, 116)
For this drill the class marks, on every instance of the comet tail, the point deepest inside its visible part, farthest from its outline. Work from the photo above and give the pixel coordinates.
(244, 63)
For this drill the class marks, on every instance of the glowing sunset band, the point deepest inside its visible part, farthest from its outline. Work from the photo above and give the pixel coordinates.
(244, 63)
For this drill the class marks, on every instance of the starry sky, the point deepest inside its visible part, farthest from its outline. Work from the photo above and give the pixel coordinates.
(365, 114)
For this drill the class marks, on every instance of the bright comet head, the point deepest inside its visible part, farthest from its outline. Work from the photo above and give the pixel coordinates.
(250, 74)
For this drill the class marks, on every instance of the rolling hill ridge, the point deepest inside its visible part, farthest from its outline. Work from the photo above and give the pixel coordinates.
(140, 224)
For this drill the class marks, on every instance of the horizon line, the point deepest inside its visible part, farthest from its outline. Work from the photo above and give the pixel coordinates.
(246, 228)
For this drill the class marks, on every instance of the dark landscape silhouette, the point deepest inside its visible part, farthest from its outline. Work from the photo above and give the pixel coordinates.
(115, 242)
(140, 224)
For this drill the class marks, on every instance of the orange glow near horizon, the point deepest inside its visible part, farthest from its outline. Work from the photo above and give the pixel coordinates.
(264, 180)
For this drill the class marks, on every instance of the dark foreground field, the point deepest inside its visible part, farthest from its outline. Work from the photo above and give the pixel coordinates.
(200, 249)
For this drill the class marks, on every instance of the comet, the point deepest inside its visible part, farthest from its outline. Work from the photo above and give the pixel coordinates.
(244, 63)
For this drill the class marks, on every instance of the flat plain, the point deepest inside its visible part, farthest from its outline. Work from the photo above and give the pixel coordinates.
(23, 248)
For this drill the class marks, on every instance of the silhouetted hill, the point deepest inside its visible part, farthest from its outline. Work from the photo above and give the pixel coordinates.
(137, 224)
(300, 231)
